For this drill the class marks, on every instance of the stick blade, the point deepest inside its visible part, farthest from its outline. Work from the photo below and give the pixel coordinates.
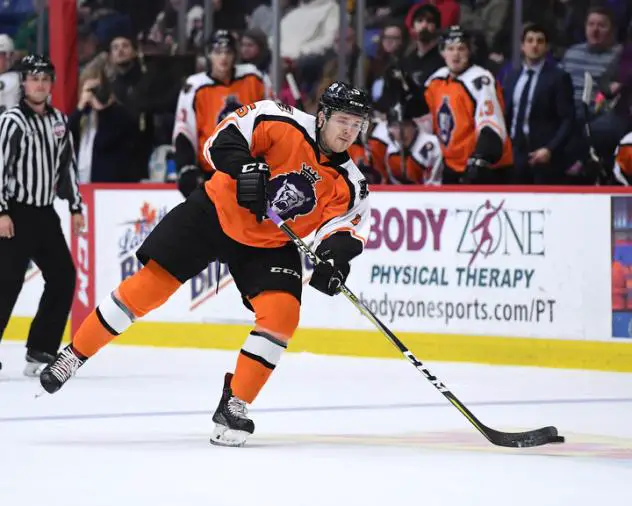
(538, 437)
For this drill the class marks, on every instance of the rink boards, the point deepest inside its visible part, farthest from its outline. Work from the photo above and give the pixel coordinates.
(478, 275)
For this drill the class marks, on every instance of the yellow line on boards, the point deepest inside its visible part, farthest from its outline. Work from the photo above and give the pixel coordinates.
(614, 355)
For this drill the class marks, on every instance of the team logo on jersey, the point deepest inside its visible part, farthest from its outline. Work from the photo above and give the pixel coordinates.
(59, 130)
(293, 194)
(426, 150)
(445, 122)
(231, 103)
(481, 81)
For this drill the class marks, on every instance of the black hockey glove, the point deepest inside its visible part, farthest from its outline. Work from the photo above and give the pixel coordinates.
(473, 168)
(329, 275)
(189, 178)
(252, 184)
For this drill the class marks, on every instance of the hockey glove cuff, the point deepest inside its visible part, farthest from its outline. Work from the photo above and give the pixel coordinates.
(252, 182)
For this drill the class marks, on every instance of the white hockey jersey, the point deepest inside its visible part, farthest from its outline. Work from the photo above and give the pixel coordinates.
(9, 90)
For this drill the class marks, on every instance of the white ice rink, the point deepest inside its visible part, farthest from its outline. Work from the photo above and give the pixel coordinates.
(132, 429)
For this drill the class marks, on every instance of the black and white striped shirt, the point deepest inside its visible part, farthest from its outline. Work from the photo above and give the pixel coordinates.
(37, 159)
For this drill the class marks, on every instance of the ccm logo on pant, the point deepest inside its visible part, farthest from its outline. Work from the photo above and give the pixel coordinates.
(283, 270)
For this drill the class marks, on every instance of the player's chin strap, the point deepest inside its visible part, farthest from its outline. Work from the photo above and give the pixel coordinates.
(536, 437)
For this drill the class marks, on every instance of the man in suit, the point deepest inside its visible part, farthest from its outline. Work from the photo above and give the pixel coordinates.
(540, 112)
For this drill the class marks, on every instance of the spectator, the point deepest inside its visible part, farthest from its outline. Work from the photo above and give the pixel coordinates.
(104, 22)
(539, 112)
(616, 88)
(425, 58)
(593, 56)
(25, 38)
(87, 45)
(261, 15)
(143, 91)
(449, 12)
(393, 43)
(307, 32)
(309, 29)
(484, 16)
(379, 11)
(253, 48)
(103, 132)
(195, 29)
(330, 67)
(567, 19)
(165, 28)
(9, 79)
(229, 15)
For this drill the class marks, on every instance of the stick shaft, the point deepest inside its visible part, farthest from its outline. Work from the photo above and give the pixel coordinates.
(438, 384)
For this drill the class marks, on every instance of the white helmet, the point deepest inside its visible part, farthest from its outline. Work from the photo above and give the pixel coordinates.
(6, 43)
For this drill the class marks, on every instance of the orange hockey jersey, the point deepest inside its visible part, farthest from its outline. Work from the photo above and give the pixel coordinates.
(378, 142)
(306, 188)
(461, 107)
(424, 163)
(623, 161)
(204, 102)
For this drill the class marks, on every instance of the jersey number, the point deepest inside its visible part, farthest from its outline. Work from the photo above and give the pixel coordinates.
(487, 109)
(242, 111)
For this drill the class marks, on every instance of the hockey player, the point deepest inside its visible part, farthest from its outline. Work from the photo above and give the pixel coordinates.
(422, 153)
(9, 80)
(378, 142)
(467, 110)
(265, 154)
(622, 172)
(206, 98)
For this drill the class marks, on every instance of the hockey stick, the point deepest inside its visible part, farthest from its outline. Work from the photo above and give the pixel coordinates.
(530, 438)
(586, 95)
(296, 93)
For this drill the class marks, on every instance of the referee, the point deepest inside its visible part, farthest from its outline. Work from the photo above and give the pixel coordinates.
(37, 162)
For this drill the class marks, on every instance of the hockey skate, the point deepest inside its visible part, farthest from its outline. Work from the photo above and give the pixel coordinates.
(232, 425)
(36, 361)
(65, 365)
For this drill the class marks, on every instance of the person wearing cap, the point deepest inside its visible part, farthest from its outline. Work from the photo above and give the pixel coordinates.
(467, 110)
(205, 99)
(9, 79)
(425, 59)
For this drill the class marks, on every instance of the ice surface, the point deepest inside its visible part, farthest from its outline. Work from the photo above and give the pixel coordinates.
(132, 429)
